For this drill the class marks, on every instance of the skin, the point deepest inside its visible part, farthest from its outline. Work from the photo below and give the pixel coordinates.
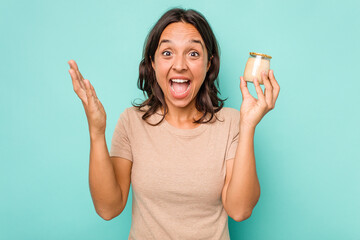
(94, 110)
(181, 52)
(241, 191)
(175, 56)
(182, 56)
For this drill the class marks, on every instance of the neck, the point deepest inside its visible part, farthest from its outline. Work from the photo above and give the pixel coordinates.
(182, 117)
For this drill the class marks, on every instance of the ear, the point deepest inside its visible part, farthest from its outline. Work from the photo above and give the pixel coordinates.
(209, 63)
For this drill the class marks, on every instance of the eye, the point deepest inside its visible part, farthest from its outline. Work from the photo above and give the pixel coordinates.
(166, 53)
(194, 54)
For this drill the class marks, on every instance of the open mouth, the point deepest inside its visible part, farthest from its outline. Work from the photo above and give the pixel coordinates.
(180, 86)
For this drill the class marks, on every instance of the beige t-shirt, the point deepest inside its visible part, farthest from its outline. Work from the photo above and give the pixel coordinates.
(177, 174)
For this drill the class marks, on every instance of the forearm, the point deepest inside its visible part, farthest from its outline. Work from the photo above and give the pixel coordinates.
(244, 188)
(104, 188)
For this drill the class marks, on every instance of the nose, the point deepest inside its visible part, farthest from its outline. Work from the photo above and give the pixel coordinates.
(179, 63)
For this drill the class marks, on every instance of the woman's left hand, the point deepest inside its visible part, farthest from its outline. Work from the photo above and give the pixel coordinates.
(253, 110)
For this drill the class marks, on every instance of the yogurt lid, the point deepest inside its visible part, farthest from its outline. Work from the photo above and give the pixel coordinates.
(260, 54)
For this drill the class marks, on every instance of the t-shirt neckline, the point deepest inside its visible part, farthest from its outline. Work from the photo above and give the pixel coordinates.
(181, 131)
(184, 132)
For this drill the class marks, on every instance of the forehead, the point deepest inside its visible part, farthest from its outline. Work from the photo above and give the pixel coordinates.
(180, 31)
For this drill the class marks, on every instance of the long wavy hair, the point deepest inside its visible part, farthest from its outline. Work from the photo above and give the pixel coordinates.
(207, 100)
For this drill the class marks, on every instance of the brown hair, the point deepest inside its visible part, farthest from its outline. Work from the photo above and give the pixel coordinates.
(207, 100)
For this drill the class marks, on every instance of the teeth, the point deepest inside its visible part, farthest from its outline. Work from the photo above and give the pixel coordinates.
(179, 80)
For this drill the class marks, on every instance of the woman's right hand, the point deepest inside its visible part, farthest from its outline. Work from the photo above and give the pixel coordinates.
(94, 110)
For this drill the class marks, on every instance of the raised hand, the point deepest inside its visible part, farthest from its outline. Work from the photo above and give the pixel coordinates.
(94, 110)
(252, 110)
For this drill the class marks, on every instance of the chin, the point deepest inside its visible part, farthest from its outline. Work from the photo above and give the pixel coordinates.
(182, 103)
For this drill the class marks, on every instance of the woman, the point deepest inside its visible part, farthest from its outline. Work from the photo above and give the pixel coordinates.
(189, 159)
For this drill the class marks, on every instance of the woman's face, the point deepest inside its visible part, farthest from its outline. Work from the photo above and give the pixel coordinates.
(180, 64)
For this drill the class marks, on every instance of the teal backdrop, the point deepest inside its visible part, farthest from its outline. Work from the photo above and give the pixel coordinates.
(307, 148)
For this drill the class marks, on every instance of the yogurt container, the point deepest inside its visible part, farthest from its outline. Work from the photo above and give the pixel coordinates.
(256, 63)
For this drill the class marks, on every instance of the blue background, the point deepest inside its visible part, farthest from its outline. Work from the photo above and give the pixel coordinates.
(306, 148)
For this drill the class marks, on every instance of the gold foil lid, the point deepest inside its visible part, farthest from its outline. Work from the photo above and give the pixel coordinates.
(260, 54)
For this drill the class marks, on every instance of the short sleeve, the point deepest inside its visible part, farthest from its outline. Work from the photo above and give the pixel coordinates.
(233, 137)
(120, 144)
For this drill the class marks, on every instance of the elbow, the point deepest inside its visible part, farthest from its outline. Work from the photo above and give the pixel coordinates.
(108, 213)
(239, 214)
(107, 216)
(106, 219)
(242, 216)
(243, 213)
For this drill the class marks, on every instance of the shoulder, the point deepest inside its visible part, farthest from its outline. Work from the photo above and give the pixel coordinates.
(129, 110)
(128, 114)
(229, 113)
(134, 116)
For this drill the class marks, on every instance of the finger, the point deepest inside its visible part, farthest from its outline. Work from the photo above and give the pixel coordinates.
(80, 80)
(268, 89)
(78, 72)
(89, 93)
(74, 66)
(259, 91)
(75, 81)
(81, 75)
(93, 91)
(243, 87)
(274, 83)
(73, 75)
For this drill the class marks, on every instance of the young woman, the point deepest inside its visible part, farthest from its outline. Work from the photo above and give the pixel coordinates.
(189, 159)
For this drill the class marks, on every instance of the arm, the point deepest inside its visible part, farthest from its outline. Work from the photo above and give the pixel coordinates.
(105, 191)
(243, 190)
(109, 178)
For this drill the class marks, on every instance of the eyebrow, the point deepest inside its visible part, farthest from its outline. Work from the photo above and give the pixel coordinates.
(191, 41)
